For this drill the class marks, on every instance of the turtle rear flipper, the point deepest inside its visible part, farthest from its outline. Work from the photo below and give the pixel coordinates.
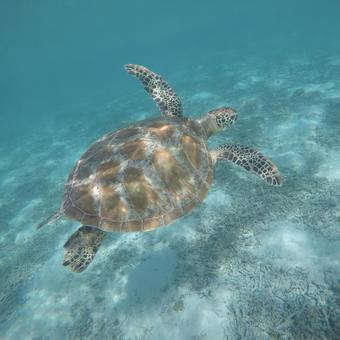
(251, 160)
(81, 248)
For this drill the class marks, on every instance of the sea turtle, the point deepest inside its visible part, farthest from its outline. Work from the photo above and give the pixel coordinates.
(146, 175)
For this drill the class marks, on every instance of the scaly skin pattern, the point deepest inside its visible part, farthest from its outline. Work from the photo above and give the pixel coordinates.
(140, 177)
(163, 95)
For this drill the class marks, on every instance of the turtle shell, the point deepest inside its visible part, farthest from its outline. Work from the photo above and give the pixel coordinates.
(140, 177)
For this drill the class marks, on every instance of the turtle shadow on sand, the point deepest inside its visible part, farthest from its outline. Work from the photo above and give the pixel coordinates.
(154, 274)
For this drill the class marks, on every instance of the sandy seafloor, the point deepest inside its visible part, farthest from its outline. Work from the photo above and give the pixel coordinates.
(250, 262)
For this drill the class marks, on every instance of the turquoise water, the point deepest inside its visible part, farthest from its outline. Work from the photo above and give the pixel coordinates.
(251, 261)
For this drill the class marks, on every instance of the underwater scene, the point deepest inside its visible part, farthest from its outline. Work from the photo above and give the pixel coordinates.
(249, 257)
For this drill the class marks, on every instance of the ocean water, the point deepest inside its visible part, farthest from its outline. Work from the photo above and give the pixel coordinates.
(251, 261)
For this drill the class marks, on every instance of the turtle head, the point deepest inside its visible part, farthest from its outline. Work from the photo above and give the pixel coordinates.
(218, 119)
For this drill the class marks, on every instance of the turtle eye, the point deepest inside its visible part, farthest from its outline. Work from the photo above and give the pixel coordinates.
(224, 116)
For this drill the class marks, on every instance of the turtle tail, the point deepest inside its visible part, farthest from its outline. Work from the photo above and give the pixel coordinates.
(54, 217)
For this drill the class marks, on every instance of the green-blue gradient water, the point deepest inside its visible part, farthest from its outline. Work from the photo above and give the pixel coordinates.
(251, 261)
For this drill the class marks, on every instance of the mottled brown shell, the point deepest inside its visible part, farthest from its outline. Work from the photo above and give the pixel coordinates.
(140, 177)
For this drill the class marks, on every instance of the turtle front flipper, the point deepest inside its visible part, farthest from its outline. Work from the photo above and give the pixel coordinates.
(165, 97)
(81, 248)
(251, 160)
